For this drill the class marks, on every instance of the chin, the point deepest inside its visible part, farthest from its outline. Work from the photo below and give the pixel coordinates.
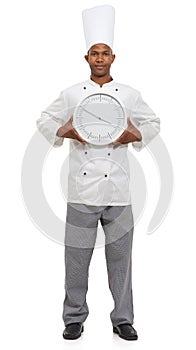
(99, 74)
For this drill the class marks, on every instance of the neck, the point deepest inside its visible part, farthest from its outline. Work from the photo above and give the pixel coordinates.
(101, 80)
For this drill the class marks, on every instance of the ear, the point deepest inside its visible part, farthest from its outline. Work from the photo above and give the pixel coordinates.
(113, 57)
(86, 57)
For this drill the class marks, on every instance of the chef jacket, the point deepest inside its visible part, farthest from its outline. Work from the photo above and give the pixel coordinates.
(98, 175)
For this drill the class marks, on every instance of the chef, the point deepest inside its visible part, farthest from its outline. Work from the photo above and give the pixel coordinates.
(98, 180)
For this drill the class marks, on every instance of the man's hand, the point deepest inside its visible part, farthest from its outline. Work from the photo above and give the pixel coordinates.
(68, 131)
(131, 134)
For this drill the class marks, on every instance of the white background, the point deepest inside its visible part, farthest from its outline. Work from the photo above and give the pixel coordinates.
(42, 49)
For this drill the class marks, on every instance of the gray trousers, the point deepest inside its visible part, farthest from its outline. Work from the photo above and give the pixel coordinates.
(80, 237)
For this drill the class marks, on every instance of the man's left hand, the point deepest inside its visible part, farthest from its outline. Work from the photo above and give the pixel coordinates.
(131, 134)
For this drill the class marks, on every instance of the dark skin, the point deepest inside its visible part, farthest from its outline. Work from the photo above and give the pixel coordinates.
(100, 59)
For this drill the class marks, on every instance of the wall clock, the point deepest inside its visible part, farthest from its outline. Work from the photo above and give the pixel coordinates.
(99, 119)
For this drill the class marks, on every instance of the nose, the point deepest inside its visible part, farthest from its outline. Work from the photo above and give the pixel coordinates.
(99, 58)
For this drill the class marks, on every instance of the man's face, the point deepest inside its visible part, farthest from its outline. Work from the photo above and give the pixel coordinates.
(100, 58)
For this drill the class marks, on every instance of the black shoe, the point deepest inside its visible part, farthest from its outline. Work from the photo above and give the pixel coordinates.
(126, 331)
(73, 330)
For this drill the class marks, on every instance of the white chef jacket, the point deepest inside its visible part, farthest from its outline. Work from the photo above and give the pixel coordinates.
(98, 175)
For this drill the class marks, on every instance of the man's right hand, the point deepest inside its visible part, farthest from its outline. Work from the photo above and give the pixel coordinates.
(68, 131)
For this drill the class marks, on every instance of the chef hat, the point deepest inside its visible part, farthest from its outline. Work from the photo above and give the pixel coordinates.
(98, 25)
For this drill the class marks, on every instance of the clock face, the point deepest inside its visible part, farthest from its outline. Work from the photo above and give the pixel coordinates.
(99, 119)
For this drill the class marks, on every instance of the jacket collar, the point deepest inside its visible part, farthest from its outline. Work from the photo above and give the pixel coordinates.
(91, 82)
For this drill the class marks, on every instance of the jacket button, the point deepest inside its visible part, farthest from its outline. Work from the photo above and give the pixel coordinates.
(85, 173)
(85, 152)
(108, 154)
(116, 89)
(105, 175)
(84, 87)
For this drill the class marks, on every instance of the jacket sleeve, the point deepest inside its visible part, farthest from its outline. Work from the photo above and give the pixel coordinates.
(146, 121)
(52, 118)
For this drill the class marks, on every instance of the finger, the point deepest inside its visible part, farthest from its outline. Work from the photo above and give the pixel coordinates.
(71, 120)
(78, 136)
(82, 140)
(116, 144)
(129, 122)
(117, 140)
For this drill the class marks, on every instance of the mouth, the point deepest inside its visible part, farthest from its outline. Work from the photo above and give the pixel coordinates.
(100, 67)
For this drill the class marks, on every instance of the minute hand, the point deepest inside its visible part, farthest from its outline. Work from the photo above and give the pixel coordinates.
(94, 115)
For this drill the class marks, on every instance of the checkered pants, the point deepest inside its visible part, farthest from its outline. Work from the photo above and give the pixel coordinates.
(80, 237)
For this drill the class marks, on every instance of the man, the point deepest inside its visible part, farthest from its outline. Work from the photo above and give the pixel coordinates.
(98, 186)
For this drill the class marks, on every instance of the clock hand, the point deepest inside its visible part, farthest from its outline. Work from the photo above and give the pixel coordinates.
(94, 115)
(100, 118)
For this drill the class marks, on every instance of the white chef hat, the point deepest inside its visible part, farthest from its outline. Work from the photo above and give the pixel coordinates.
(98, 23)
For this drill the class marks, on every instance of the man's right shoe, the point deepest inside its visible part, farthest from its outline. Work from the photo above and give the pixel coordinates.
(73, 330)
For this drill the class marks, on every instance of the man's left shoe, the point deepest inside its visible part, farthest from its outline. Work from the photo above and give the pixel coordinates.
(125, 331)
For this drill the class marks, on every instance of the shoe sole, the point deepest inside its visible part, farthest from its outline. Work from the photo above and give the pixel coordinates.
(71, 337)
(134, 337)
